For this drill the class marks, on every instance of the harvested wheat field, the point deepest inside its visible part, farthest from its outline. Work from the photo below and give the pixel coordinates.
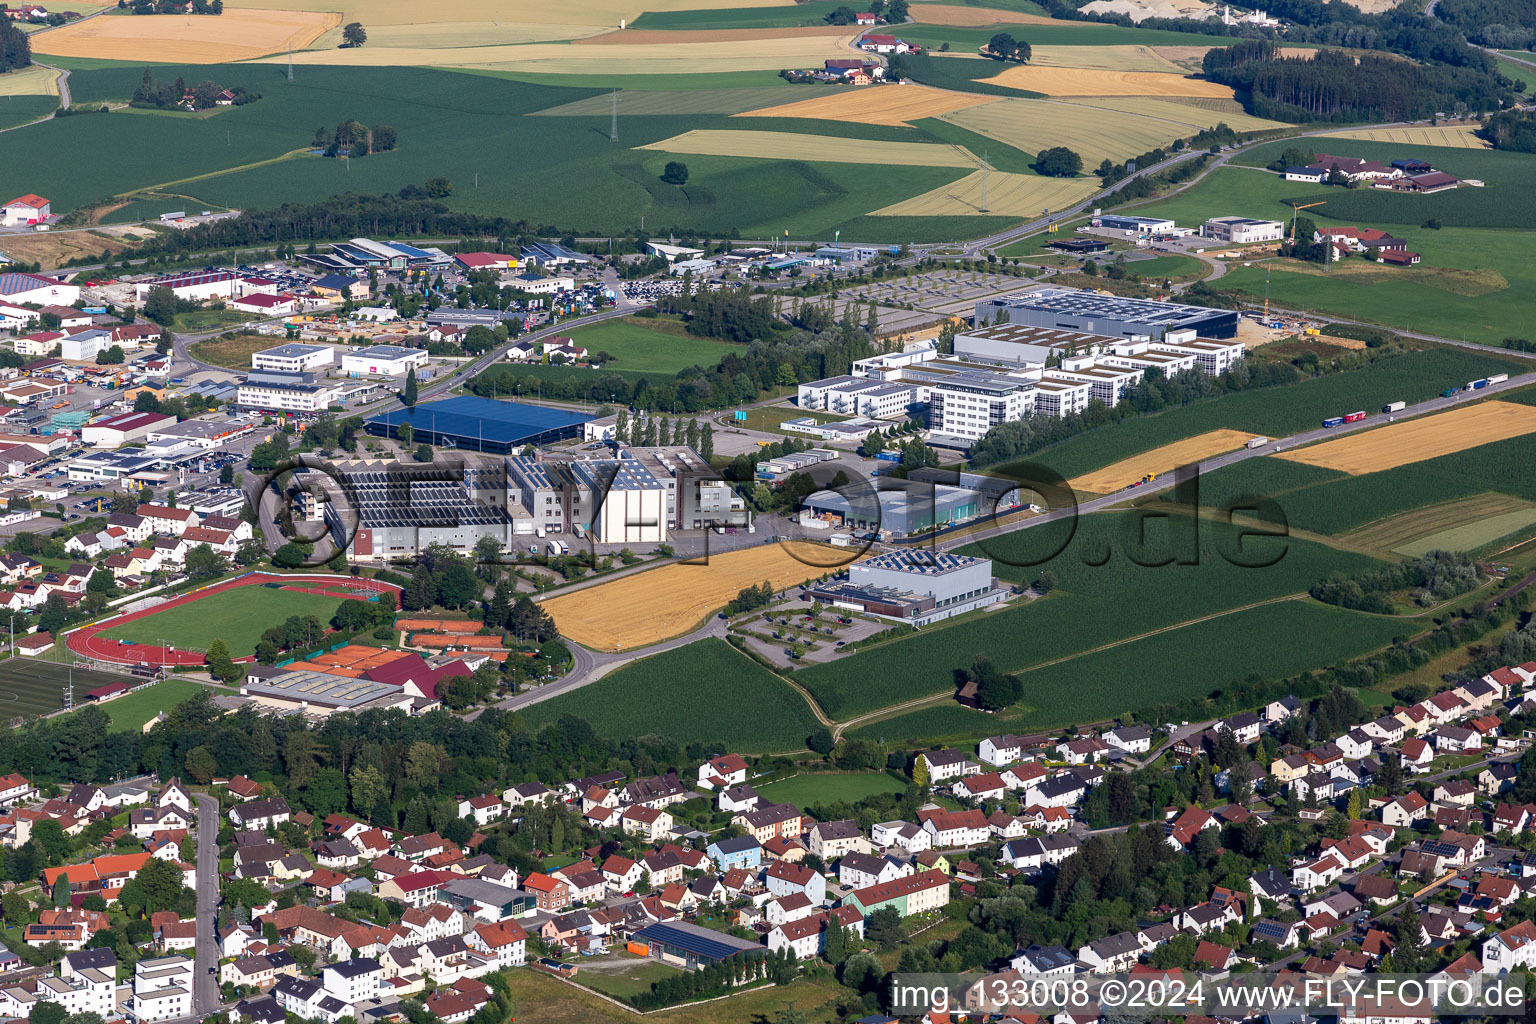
(1032, 125)
(190, 39)
(569, 59)
(885, 104)
(1008, 195)
(32, 81)
(1427, 437)
(607, 13)
(1455, 136)
(1175, 113)
(452, 35)
(957, 16)
(1059, 81)
(642, 37)
(652, 606)
(1104, 58)
(1160, 460)
(818, 148)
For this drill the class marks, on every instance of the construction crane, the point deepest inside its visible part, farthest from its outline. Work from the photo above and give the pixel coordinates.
(1296, 208)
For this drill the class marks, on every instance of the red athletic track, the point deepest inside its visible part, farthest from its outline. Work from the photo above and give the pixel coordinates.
(86, 642)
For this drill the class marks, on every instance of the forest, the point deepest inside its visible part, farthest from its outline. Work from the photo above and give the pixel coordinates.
(1335, 86)
(15, 47)
(1513, 130)
(1431, 578)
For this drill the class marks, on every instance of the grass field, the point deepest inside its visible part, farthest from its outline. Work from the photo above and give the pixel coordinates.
(674, 101)
(234, 353)
(828, 787)
(637, 975)
(1418, 439)
(204, 320)
(673, 599)
(769, 417)
(240, 616)
(817, 148)
(706, 691)
(1471, 536)
(1121, 598)
(875, 105)
(1161, 268)
(17, 110)
(1396, 532)
(232, 36)
(1013, 195)
(31, 686)
(636, 345)
(1454, 136)
(128, 714)
(539, 997)
(1159, 460)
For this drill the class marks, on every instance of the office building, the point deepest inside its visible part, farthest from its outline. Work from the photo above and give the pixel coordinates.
(967, 405)
(383, 360)
(278, 391)
(293, 358)
(1243, 230)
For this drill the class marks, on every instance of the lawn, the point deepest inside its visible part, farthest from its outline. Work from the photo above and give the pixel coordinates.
(1102, 596)
(233, 352)
(771, 417)
(539, 997)
(636, 976)
(240, 616)
(828, 787)
(649, 346)
(128, 714)
(704, 692)
(1276, 412)
(31, 686)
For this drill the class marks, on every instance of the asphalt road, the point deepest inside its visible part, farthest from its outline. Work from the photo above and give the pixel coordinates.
(205, 985)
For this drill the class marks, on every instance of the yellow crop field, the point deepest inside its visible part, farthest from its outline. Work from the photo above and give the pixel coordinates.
(1426, 437)
(1032, 125)
(1176, 112)
(191, 39)
(452, 35)
(1455, 136)
(1078, 81)
(885, 104)
(649, 607)
(1160, 460)
(974, 17)
(606, 13)
(821, 148)
(1008, 195)
(616, 59)
(32, 81)
(1103, 58)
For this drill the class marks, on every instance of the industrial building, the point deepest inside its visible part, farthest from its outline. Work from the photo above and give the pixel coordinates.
(110, 466)
(481, 424)
(1091, 313)
(383, 360)
(196, 287)
(858, 396)
(395, 511)
(1061, 398)
(919, 587)
(1023, 345)
(116, 431)
(1243, 230)
(293, 358)
(364, 253)
(967, 405)
(1140, 225)
(690, 946)
(1107, 384)
(279, 391)
(19, 289)
(899, 507)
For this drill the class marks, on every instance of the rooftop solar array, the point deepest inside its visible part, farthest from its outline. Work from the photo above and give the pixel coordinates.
(924, 563)
(383, 499)
(693, 939)
(1114, 307)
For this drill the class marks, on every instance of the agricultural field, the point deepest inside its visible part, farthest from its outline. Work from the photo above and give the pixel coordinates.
(1180, 110)
(1012, 195)
(607, 13)
(673, 599)
(21, 109)
(1418, 439)
(674, 101)
(1473, 535)
(232, 36)
(239, 615)
(1123, 598)
(705, 692)
(33, 81)
(32, 686)
(816, 148)
(1032, 125)
(638, 346)
(548, 1000)
(1112, 63)
(1160, 460)
(975, 17)
(734, 16)
(1394, 531)
(1453, 136)
(828, 787)
(889, 105)
(1276, 412)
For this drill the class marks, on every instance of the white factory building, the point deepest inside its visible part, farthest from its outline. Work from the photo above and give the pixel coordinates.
(1243, 230)
(383, 360)
(858, 396)
(293, 358)
(273, 391)
(197, 287)
(19, 289)
(116, 431)
(967, 405)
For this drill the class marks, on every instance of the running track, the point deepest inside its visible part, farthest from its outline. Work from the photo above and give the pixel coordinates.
(87, 642)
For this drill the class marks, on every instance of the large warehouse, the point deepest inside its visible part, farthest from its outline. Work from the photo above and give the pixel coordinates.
(1070, 309)
(16, 289)
(901, 509)
(116, 431)
(383, 360)
(481, 424)
(917, 586)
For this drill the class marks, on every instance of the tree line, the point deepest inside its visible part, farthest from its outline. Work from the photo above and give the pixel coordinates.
(15, 47)
(1514, 130)
(1432, 578)
(154, 94)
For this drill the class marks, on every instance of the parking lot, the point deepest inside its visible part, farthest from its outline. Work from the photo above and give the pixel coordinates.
(789, 635)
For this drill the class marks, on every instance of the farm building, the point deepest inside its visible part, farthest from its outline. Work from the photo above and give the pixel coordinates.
(293, 358)
(27, 209)
(385, 360)
(1091, 313)
(1243, 230)
(22, 288)
(481, 424)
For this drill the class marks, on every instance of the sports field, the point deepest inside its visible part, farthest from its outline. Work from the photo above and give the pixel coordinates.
(1012, 195)
(1159, 460)
(1032, 125)
(887, 104)
(651, 606)
(1454, 136)
(128, 714)
(1400, 532)
(206, 39)
(240, 616)
(1426, 437)
(1076, 80)
(30, 686)
(819, 148)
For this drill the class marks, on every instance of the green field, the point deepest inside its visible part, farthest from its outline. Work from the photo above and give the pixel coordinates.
(1276, 412)
(1066, 33)
(32, 686)
(204, 320)
(128, 714)
(812, 13)
(240, 616)
(1161, 268)
(706, 691)
(637, 345)
(16, 110)
(636, 976)
(1472, 536)
(1092, 605)
(828, 787)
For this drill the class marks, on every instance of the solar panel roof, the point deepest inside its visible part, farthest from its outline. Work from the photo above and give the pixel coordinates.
(693, 939)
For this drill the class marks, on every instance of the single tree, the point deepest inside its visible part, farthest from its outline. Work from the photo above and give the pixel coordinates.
(408, 396)
(675, 173)
(354, 34)
(1058, 162)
